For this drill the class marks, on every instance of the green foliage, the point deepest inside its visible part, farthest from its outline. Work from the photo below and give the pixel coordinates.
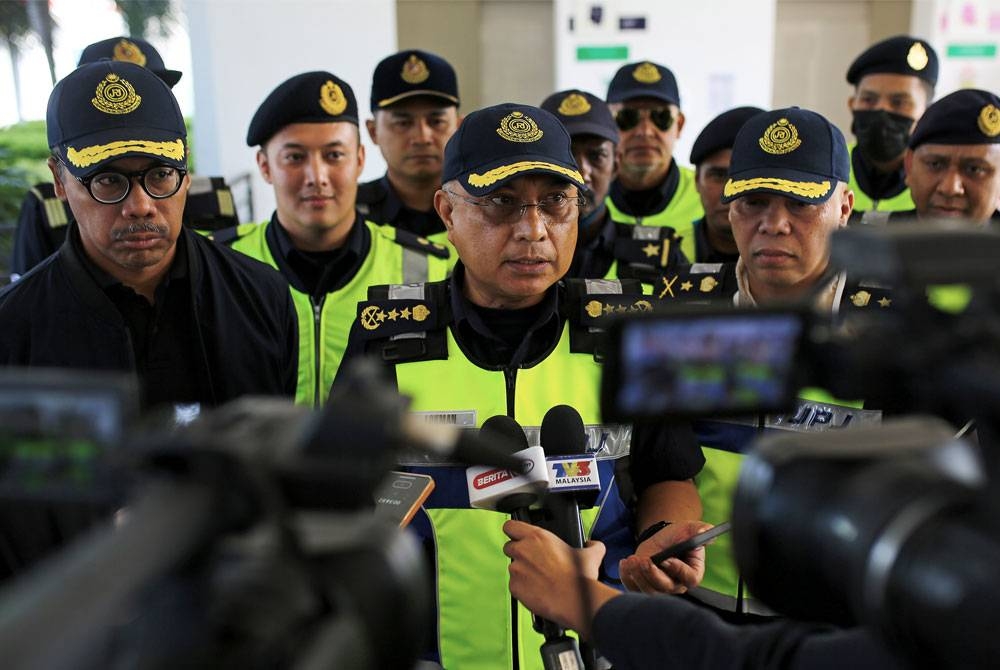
(14, 23)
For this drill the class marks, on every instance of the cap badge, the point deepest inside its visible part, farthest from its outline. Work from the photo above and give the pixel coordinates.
(332, 99)
(115, 95)
(414, 70)
(517, 127)
(917, 57)
(989, 121)
(646, 74)
(780, 137)
(129, 52)
(573, 104)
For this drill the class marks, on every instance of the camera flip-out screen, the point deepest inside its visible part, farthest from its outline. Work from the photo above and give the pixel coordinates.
(697, 364)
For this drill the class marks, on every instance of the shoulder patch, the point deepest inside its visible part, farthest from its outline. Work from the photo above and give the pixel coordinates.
(652, 246)
(700, 282)
(385, 318)
(413, 241)
(866, 295)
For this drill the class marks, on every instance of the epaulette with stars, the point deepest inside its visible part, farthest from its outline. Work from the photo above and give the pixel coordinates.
(405, 329)
(865, 295)
(593, 303)
(697, 282)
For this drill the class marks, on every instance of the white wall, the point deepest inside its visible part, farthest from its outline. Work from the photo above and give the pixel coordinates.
(967, 27)
(242, 49)
(721, 52)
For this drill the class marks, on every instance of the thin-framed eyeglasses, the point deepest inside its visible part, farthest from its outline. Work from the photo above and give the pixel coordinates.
(110, 186)
(507, 209)
(628, 118)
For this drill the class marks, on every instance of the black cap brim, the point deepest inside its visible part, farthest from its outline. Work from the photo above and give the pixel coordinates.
(801, 186)
(449, 99)
(170, 77)
(589, 128)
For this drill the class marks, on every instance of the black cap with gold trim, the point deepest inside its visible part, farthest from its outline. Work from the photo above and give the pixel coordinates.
(791, 152)
(644, 80)
(413, 73)
(582, 114)
(967, 116)
(108, 110)
(901, 54)
(503, 142)
(310, 97)
(130, 50)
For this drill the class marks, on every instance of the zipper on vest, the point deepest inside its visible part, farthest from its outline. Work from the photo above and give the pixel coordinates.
(510, 380)
(317, 339)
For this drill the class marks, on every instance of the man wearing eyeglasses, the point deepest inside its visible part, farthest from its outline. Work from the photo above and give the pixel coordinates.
(131, 289)
(651, 189)
(504, 336)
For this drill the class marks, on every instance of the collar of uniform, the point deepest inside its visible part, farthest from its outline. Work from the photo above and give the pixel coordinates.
(466, 319)
(648, 202)
(392, 203)
(876, 185)
(285, 254)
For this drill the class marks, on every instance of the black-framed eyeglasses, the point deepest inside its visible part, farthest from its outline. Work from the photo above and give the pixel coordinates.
(110, 187)
(507, 209)
(628, 118)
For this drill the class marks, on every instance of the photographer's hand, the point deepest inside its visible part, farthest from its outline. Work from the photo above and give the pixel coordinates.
(675, 575)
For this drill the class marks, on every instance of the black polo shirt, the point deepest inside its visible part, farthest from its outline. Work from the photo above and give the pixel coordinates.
(165, 347)
(317, 273)
(650, 201)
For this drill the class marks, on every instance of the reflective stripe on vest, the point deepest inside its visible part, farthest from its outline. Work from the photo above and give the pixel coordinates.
(724, 443)
(863, 202)
(320, 354)
(680, 213)
(475, 629)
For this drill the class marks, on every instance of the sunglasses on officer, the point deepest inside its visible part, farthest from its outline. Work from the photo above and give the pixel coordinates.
(628, 118)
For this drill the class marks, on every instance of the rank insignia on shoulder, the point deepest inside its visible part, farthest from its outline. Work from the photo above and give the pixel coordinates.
(597, 309)
(867, 295)
(412, 241)
(701, 281)
(385, 318)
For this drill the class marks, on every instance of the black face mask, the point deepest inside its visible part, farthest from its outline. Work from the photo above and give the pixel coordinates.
(882, 136)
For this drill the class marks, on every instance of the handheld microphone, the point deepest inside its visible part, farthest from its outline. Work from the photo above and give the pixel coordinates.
(574, 478)
(508, 490)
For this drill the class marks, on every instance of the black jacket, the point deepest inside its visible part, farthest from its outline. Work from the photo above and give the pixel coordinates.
(245, 324)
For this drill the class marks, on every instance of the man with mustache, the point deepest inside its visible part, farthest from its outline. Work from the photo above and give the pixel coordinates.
(414, 105)
(651, 190)
(893, 84)
(130, 288)
(310, 151)
(504, 336)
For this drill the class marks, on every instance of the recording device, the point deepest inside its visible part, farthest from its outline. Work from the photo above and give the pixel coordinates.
(693, 542)
(893, 527)
(250, 530)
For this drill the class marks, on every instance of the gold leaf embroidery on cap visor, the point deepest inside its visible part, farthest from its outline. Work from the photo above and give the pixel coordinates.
(805, 189)
(504, 171)
(87, 156)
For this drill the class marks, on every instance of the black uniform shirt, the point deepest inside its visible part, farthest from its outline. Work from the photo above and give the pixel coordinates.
(319, 273)
(650, 201)
(876, 185)
(593, 258)
(166, 350)
(391, 210)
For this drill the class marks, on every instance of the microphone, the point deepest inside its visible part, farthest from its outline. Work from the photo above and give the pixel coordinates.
(575, 481)
(508, 490)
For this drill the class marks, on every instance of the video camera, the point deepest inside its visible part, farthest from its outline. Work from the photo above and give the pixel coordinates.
(244, 539)
(892, 526)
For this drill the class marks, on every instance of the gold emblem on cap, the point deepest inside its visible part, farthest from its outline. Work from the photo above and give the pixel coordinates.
(917, 57)
(518, 127)
(573, 104)
(861, 298)
(129, 52)
(115, 95)
(781, 137)
(414, 70)
(332, 99)
(646, 74)
(989, 121)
